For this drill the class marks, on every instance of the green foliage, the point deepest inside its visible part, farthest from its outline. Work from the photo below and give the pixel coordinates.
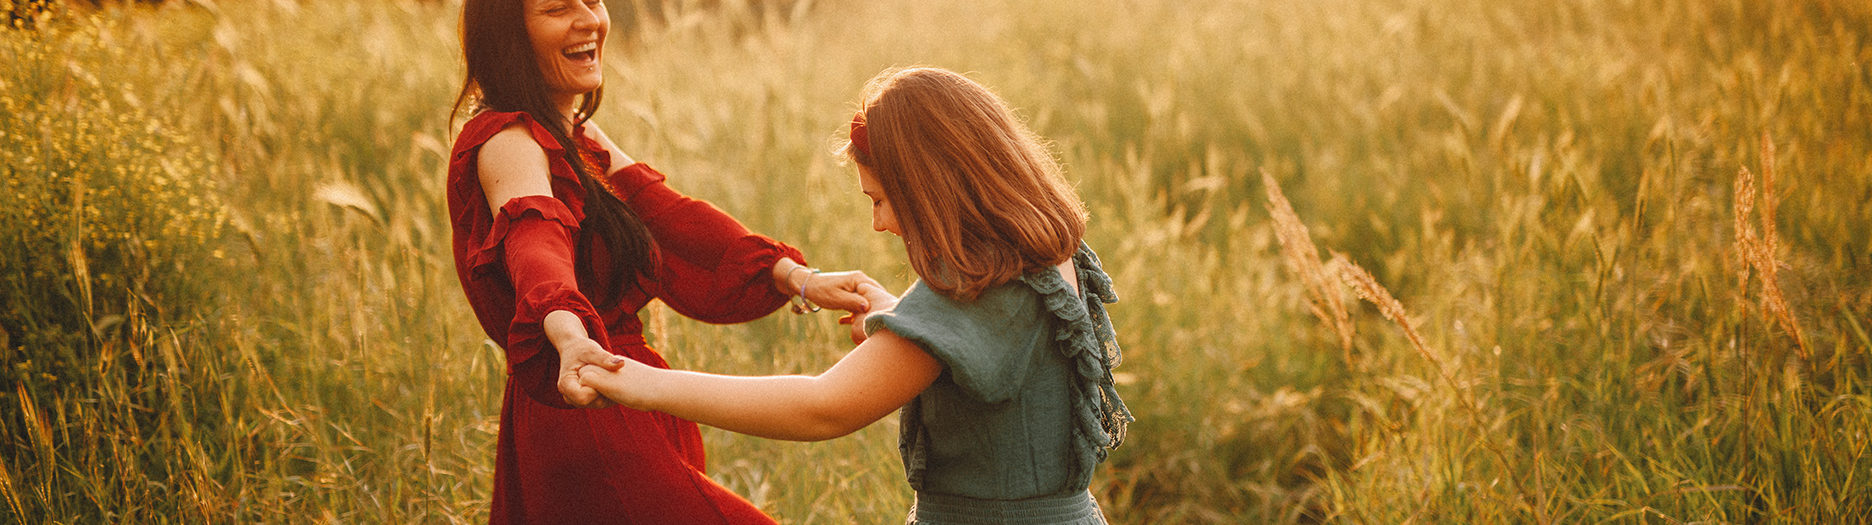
(111, 209)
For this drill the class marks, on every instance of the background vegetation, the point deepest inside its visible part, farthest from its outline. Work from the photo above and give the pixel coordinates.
(225, 294)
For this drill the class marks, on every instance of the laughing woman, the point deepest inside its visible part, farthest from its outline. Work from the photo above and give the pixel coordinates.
(559, 239)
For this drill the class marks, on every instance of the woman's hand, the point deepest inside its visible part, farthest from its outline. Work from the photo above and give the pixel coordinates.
(628, 385)
(576, 356)
(577, 349)
(835, 290)
(840, 290)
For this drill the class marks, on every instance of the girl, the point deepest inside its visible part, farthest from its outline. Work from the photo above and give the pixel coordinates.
(559, 239)
(1000, 355)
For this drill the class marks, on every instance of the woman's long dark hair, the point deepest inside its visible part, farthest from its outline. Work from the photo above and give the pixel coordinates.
(504, 76)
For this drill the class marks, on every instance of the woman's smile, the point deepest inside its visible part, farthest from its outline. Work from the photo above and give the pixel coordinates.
(583, 55)
(568, 43)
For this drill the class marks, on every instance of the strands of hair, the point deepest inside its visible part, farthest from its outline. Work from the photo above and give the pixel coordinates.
(980, 198)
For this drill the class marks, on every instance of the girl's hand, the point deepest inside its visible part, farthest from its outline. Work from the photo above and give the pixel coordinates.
(578, 354)
(625, 386)
(879, 300)
(840, 290)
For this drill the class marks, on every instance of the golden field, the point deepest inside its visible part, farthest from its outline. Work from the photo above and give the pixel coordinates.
(1548, 262)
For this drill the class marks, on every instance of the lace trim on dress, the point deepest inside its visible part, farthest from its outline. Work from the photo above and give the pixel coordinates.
(1085, 337)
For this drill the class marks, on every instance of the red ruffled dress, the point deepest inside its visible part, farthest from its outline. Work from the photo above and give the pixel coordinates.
(557, 464)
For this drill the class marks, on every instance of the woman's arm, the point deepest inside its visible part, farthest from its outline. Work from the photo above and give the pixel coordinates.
(876, 378)
(835, 290)
(512, 166)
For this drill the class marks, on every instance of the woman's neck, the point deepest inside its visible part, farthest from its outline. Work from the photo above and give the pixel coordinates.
(567, 106)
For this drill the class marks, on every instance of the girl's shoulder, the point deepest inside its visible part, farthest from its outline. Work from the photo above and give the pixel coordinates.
(983, 343)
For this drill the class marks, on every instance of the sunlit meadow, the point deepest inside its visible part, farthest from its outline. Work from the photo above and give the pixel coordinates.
(1380, 261)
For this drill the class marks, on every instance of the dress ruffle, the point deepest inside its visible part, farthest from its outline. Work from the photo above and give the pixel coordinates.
(1085, 337)
(632, 180)
(483, 257)
(565, 183)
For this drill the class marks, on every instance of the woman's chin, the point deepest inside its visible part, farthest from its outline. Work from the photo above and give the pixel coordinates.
(577, 87)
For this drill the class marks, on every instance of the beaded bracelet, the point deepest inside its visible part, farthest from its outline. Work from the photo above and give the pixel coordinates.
(803, 306)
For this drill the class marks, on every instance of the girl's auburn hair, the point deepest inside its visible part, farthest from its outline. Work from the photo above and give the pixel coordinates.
(979, 197)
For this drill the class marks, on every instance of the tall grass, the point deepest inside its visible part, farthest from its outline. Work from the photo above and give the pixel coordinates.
(1588, 307)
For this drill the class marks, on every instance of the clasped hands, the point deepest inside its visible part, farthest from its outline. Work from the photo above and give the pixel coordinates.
(851, 291)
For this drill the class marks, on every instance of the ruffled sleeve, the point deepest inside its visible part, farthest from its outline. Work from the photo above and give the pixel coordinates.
(711, 268)
(467, 201)
(1083, 334)
(534, 236)
(985, 346)
(516, 264)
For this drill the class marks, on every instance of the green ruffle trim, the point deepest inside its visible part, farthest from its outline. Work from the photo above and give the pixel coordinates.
(1085, 337)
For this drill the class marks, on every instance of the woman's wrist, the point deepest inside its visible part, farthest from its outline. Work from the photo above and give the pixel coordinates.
(783, 275)
(562, 326)
(792, 278)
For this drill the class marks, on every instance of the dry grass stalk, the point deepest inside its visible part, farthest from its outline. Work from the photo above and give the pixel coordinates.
(1755, 249)
(1746, 238)
(40, 433)
(1368, 289)
(1366, 286)
(1302, 257)
(9, 491)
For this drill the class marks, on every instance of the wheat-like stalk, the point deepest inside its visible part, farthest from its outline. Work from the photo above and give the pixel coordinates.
(1755, 249)
(1301, 256)
(1367, 288)
(1324, 300)
(1744, 203)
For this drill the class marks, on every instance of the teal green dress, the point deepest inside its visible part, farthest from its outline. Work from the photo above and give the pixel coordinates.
(1025, 407)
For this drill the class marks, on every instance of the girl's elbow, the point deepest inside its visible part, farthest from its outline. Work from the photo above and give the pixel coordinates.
(829, 415)
(824, 426)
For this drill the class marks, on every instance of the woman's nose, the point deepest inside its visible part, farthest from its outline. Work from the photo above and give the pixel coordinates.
(587, 17)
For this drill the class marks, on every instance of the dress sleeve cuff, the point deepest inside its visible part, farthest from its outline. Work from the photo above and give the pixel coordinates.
(531, 357)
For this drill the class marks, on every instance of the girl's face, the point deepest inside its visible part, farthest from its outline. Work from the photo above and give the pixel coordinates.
(568, 38)
(883, 218)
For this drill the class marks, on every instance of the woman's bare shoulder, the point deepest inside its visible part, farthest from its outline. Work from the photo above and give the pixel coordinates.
(512, 165)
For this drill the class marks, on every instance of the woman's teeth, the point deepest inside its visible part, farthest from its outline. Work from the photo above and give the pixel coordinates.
(585, 51)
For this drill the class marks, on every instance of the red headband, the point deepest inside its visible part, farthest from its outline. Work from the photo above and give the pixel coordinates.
(860, 139)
